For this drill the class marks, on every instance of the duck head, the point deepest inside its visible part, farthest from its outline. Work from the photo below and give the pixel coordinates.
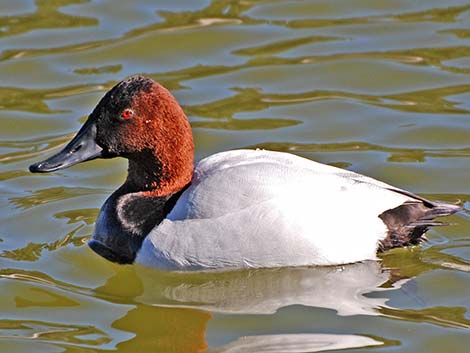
(139, 120)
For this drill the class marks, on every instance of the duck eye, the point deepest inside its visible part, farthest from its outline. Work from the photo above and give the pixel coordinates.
(127, 114)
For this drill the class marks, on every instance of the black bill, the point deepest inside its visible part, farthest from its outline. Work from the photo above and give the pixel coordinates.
(83, 147)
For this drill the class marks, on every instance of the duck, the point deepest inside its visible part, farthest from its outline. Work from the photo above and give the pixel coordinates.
(234, 209)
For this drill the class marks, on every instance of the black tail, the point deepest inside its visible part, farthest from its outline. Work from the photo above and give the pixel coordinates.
(408, 222)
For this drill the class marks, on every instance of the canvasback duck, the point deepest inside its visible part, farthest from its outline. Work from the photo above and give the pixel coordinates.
(235, 209)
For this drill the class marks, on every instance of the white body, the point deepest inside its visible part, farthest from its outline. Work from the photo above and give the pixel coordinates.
(249, 208)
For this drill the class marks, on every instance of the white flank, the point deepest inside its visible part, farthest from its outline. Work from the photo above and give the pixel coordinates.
(249, 208)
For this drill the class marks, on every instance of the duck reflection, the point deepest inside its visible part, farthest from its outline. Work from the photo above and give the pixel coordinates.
(172, 310)
(160, 329)
(295, 343)
(165, 329)
(267, 290)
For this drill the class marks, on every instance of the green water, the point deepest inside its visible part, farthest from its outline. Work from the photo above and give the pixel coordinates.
(378, 87)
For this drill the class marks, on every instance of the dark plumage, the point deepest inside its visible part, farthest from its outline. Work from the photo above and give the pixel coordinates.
(408, 222)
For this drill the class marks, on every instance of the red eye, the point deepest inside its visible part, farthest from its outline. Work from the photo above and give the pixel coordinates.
(127, 114)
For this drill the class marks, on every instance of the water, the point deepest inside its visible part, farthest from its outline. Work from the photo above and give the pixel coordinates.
(381, 88)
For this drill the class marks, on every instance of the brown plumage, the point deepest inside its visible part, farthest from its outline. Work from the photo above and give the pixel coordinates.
(408, 222)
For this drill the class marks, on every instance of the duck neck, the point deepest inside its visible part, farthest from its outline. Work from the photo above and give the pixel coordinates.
(149, 193)
(124, 221)
(157, 177)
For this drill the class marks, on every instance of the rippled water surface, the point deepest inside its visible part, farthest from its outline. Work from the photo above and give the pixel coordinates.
(378, 87)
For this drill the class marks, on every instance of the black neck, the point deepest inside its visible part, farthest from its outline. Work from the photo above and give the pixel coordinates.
(144, 173)
(124, 221)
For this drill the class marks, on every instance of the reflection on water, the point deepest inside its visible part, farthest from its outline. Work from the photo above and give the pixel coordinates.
(80, 220)
(448, 317)
(265, 291)
(51, 195)
(174, 311)
(43, 331)
(182, 301)
(33, 251)
(295, 343)
(376, 87)
(164, 330)
(179, 307)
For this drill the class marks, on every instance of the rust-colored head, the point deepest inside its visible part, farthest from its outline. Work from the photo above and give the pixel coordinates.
(140, 120)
